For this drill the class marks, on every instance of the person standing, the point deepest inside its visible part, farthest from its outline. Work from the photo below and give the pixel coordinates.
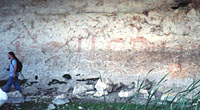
(13, 74)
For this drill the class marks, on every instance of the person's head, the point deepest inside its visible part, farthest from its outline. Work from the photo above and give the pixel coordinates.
(11, 55)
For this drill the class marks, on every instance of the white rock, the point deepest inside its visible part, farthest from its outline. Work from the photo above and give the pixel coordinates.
(192, 14)
(51, 107)
(103, 88)
(62, 96)
(143, 91)
(80, 108)
(168, 97)
(79, 89)
(99, 94)
(3, 97)
(90, 93)
(58, 101)
(126, 93)
(107, 81)
(28, 99)
(14, 94)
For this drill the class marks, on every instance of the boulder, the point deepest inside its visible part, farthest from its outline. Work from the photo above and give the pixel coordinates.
(82, 88)
(3, 97)
(103, 87)
(60, 101)
(51, 107)
(15, 97)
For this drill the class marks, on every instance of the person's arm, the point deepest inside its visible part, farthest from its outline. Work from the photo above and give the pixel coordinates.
(15, 70)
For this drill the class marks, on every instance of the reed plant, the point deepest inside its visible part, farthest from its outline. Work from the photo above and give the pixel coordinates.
(179, 101)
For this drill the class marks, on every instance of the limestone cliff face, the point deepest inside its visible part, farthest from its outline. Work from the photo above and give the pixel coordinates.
(122, 38)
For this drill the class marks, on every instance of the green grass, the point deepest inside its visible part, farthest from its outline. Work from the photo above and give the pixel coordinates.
(94, 106)
(75, 106)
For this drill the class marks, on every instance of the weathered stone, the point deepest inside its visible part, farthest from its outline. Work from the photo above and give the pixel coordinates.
(15, 97)
(126, 93)
(28, 99)
(61, 96)
(107, 81)
(30, 90)
(15, 100)
(51, 107)
(60, 101)
(144, 93)
(63, 88)
(14, 94)
(103, 88)
(80, 108)
(82, 88)
(90, 93)
(3, 97)
(101, 93)
(169, 97)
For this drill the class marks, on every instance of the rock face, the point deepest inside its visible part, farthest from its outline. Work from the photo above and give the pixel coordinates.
(125, 38)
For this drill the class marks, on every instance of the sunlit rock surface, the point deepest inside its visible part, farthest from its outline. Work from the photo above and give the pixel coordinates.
(122, 38)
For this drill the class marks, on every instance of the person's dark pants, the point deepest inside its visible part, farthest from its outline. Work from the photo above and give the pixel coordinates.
(11, 81)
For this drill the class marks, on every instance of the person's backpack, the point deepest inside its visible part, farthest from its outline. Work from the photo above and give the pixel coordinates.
(19, 65)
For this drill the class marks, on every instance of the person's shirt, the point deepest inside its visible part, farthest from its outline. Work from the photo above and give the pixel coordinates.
(12, 64)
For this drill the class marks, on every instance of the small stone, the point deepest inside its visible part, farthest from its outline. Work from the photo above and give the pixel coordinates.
(58, 101)
(79, 89)
(168, 97)
(14, 94)
(99, 94)
(126, 93)
(90, 93)
(51, 107)
(62, 96)
(28, 99)
(80, 108)
(118, 86)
